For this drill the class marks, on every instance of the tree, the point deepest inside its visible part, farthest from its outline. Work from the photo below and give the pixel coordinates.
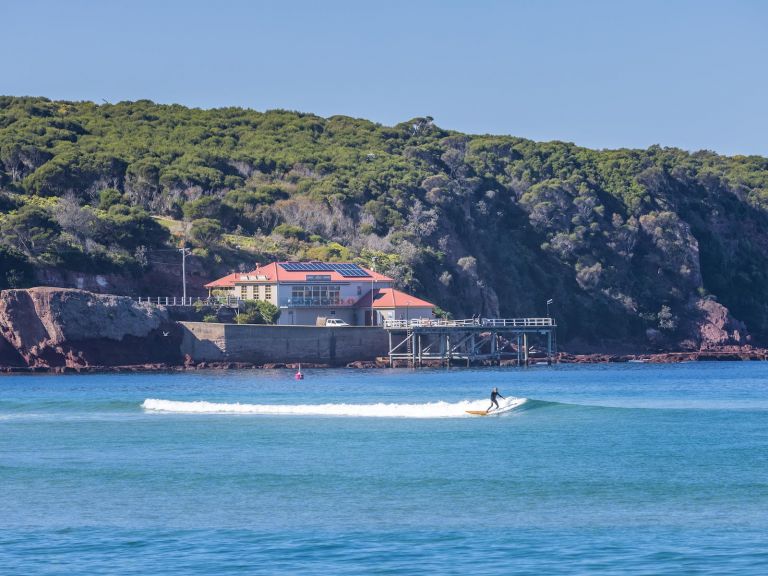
(291, 231)
(205, 207)
(140, 255)
(78, 222)
(31, 230)
(667, 320)
(130, 227)
(469, 265)
(15, 272)
(205, 231)
(257, 312)
(109, 197)
(331, 252)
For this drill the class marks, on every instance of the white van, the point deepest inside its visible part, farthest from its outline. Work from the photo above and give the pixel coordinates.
(335, 322)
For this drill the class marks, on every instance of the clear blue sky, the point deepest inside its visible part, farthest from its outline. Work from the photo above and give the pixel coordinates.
(603, 74)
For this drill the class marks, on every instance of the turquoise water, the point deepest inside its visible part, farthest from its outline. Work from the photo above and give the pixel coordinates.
(612, 469)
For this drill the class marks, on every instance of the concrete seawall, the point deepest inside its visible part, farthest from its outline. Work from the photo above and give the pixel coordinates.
(209, 342)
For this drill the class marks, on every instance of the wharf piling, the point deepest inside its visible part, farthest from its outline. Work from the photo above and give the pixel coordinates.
(425, 340)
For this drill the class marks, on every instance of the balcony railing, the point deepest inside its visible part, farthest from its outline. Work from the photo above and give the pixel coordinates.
(318, 302)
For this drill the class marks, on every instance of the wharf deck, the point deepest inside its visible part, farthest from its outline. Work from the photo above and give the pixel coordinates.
(470, 340)
(480, 324)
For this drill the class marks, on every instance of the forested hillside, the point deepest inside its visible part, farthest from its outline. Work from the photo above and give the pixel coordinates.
(634, 246)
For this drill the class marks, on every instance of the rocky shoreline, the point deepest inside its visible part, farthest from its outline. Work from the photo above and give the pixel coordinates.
(60, 330)
(727, 354)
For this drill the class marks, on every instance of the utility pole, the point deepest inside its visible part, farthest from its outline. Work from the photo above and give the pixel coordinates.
(373, 266)
(184, 272)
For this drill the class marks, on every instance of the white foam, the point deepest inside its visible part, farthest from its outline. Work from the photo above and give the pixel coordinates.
(380, 410)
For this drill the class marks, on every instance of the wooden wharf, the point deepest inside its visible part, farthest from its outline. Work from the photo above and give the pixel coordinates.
(425, 340)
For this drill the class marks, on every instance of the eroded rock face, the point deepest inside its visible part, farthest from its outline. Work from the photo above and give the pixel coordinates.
(716, 327)
(67, 327)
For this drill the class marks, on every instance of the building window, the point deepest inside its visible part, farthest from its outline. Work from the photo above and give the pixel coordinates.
(316, 295)
(268, 293)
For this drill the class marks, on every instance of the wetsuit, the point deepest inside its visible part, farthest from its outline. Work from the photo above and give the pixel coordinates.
(494, 394)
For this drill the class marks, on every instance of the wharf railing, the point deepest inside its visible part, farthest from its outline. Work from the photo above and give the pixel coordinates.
(393, 324)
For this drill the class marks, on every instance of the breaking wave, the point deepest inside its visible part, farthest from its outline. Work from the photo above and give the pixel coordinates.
(380, 410)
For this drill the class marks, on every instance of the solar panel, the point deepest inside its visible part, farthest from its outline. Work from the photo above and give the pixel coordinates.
(291, 266)
(350, 270)
(346, 269)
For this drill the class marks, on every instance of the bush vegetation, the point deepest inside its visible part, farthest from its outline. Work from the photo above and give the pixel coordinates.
(257, 312)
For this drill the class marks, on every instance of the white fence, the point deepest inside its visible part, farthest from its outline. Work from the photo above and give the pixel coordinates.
(230, 301)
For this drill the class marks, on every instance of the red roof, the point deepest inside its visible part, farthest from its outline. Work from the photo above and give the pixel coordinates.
(391, 298)
(227, 281)
(274, 273)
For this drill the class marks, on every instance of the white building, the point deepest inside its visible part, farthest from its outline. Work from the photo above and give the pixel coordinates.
(306, 291)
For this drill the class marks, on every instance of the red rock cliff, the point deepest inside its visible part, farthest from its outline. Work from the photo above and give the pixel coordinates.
(48, 327)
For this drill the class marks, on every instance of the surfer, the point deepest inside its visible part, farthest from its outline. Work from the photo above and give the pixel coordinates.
(495, 394)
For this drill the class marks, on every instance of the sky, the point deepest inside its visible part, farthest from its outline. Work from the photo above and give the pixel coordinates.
(602, 74)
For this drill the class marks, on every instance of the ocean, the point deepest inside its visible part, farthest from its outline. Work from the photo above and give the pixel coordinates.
(603, 469)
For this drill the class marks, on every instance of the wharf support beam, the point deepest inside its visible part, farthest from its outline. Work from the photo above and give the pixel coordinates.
(488, 340)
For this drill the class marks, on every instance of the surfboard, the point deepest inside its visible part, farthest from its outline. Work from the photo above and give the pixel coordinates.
(477, 412)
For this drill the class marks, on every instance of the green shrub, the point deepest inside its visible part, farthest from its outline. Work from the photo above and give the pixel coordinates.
(291, 231)
(205, 231)
(257, 312)
(108, 198)
(205, 207)
(15, 272)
